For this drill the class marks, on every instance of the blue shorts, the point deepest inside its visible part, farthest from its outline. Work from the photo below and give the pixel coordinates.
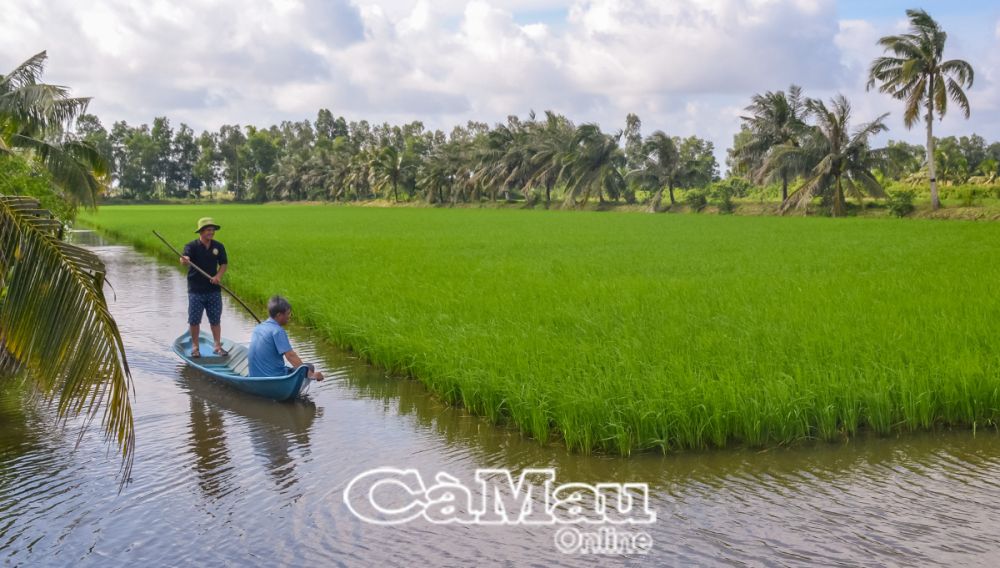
(210, 302)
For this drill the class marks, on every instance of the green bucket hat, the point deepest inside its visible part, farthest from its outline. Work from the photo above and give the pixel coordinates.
(207, 222)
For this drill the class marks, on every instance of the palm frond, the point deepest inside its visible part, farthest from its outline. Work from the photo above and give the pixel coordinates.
(27, 73)
(960, 69)
(864, 178)
(868, 130)
(800, 197)
(54, 321)
(958, 95)
(940, 96)
(76, 166)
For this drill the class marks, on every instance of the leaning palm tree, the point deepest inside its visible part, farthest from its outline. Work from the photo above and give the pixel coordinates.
(775, 119)
(917, 75)
(35, 119)
(504, 158)
(549, 145)
(595, 163)
(55, 325)
(845, 160)
(659, 168)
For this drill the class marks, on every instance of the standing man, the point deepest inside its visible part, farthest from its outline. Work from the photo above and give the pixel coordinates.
(269, 345)
(204, 294)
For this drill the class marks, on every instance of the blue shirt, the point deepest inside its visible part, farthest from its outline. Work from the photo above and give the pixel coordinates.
(268, 346)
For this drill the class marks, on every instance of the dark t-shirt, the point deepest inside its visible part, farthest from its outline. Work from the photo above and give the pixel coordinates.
(208, 259)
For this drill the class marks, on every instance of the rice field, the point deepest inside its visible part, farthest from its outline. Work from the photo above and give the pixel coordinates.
(626, 332)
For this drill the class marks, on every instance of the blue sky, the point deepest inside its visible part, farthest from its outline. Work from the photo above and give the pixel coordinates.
(687, 67)
(942, 10)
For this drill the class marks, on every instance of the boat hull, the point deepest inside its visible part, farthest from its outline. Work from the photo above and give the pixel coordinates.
(233, 369)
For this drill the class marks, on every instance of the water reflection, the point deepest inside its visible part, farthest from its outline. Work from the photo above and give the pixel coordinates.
(278, 431)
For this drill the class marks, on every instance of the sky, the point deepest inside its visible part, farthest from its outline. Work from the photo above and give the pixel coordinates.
(687, 67)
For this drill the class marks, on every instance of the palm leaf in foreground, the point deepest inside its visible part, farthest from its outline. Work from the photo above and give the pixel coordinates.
(55, 323)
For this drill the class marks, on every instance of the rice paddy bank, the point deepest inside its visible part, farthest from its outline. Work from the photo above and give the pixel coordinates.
(626, 332)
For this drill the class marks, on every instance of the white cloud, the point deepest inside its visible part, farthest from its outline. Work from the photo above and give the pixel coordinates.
(699, 47)
(685, 66)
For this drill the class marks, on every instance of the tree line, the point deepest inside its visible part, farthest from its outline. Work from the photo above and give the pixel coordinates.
(538, 159)
(541, 158)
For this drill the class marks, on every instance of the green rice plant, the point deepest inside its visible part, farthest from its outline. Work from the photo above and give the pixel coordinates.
(618, 333)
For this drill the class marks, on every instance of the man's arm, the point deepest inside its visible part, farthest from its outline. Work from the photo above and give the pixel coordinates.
(218, 275)
(296, 362)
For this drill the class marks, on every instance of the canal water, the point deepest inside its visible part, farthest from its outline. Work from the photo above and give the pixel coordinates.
(223, 478)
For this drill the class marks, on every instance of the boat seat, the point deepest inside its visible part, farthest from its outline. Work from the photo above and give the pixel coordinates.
(240, 367)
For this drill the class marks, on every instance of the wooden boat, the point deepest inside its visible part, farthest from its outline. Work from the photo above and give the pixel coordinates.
(233, 369)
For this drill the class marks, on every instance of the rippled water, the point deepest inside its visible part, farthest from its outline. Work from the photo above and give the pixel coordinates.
(221, 477)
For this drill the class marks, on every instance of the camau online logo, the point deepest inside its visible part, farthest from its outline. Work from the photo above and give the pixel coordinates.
(592, 519)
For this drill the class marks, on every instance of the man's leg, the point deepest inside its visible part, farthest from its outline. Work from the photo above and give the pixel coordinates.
(217, 335)
(213, 307)
(195, 309)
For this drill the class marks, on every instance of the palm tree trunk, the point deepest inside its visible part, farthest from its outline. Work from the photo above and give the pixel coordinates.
(670, 188)
(838, 199)
(654, 204)
(784, 185)
(935, 200)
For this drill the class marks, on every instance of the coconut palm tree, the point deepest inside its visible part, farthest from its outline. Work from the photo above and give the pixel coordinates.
(504, 160)
(55, 328)
(549, 146)
(359, 174)
(387, 168)
(659, 168)
(34, 120)
(775, 119)
(435, 176)
(917, 75)
(595, 163)
(289, 180)
(844, 162)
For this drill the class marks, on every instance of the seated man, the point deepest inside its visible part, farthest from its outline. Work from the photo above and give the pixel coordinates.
(269, 345)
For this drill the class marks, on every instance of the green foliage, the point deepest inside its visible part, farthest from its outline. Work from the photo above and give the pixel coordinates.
(900, 202)
(21, 177)
(697, 164)
(696, 199)
(901, 159)
(966, 196)
(628, 332)
(726, 190)
(35, 120)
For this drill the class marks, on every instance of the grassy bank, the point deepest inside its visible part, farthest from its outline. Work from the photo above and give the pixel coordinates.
(625, 332)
